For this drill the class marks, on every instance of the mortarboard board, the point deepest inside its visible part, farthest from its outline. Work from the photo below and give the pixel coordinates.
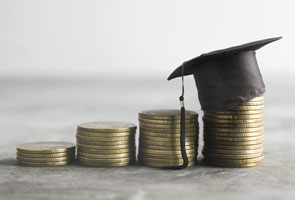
(224, 78)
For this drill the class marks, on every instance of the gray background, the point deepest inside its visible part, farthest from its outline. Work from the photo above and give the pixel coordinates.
(67, 62)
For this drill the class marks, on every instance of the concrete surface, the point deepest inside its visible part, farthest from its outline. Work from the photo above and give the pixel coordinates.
(48, 109)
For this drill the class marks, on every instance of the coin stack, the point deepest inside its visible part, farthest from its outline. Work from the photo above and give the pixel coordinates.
(106, 144)
(45, 154)
(159, 143)
(234, 138)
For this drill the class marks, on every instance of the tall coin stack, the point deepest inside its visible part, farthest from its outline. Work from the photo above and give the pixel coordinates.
(234, 138)
(45, 154)
(159, 143)
(106, 144)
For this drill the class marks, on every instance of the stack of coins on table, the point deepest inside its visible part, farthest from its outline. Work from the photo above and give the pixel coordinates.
(45, 154)
(234, 138)
(106, 144)
(159, 143)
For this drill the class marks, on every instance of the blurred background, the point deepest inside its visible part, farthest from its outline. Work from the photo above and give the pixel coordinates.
(63, 62)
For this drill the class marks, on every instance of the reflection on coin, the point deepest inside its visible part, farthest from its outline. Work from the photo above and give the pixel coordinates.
(169, 157)
(233, 148)
(166, 114)
(231, 157)
(95, 164)
(166, 126)
(45, 155)
(260, 98)
(242, 112)
(169, 131)
(151, 134)
(231, 152)
(106, 127)
(46, 147)
(232, 121)
(253, 103)
(162, 165)
(104, 139)
(167, 147)
(166, 122)
(161, 143)
(235, 130)
(105, 160)
(230, 125)
(231, 117)
(166, 161)
(107, 134)
(101, 143)
(92, 155)
(232, 139)
(218, 142)
(188, 151)
(44, 160)
(234, 161)
(220, 134)
(47, 164)
(260, 107)
(106, 151)
(84, 146)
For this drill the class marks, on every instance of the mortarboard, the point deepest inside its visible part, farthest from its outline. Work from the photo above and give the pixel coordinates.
(224, 78)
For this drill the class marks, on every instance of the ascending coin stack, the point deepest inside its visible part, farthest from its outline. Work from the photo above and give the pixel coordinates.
(159, 142)
(234, 138)
(106, 144)
(45, 154)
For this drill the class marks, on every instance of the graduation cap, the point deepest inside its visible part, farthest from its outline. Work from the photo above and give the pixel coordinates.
(224, 78)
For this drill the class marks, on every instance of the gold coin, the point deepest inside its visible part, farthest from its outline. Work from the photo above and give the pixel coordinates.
(232, 139)
(151, 151)
(167, 148)
(233, 117)
(117, 155)
(260, 107)
(236, 112)
(46, 147)
(151, 134)
(220, 164)
(166, 161)
(232, 121)
(230, 143)
(166, 122)
(172, 139)
(169, 131)
(233, 152)
(260, 98)
(245, 125)
(252, 103)
(104, 139)
(96, 143)
(163, 165)
(47, 164)
(107, 127)
(166, 114)
(231, 157)
(95, 164)
(234, 130)
(227, 147)
(105, 160)
(220, 134)
(235, 161)
(171, 144)
(107, 151)
(166, 126)
(169, 157)
(113, 147)
(44, 160)
(92, 134)
(45, 155)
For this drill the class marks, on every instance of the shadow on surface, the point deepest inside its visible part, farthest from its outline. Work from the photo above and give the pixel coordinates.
(8, 161)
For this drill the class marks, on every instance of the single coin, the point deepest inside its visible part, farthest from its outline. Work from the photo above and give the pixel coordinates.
(236, 112)
(108, 151)
(101, 143)
(167, 148)
(45, 155)
(260, 98)
(46, 147)
(232, 121)
(168, 144)
(230, 125)
(112, 127)
(47, 164)
(97, 134)
(169, 131)
(169, 157)
(227, 147)
(231, 157)
(235, 161)
(252, 103)
(172, 139)
(232, 139)
(166, 122)
(44, 160)
(232, 152)
(235, 130)
(95, 164)
(166, 114)
(117, 155)
(230, 143)
(260, 107)
(105, 160)
(151, 134)
(220, 134)
(231, 117)
(167, 126)
(150, 151)
(105, 147)
(163, 165)
(105, 139)
(166, 161)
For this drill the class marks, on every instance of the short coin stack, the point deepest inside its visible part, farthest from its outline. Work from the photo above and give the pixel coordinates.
(106, 144)
(159, 143)
(234, 138)
(45, 154)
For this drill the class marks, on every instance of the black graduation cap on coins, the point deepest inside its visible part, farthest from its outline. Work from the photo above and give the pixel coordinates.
(224, 78)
